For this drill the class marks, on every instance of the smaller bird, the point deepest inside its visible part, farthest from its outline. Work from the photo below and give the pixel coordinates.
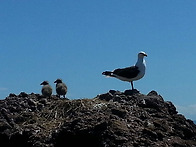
(46, 89)
(61, 88)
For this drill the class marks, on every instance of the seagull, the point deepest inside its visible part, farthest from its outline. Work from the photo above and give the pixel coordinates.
(46, 89)
(61, 88)
(132, 73)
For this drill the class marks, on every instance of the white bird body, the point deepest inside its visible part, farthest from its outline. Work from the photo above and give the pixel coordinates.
(132, 73)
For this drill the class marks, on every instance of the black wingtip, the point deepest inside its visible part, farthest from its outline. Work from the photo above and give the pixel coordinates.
(107, 73)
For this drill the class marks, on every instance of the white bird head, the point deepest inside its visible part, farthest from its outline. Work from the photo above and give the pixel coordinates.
(142, 54)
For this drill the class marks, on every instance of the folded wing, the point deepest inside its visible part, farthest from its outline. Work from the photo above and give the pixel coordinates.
(129, 72)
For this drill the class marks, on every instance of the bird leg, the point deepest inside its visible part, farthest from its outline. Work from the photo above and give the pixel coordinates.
(132, 85)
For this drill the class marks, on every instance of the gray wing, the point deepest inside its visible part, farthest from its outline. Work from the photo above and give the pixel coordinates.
(129, 72)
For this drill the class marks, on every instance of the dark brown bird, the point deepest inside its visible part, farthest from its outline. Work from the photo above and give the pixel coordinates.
(61, 88)
(46, 89)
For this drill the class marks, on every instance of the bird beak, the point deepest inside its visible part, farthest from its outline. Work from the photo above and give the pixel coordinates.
(145, 55)
(54, 81)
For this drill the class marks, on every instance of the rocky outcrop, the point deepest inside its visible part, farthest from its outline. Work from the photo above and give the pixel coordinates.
(113, 119)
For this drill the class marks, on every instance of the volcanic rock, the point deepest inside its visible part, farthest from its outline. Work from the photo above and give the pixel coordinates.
(113, 119)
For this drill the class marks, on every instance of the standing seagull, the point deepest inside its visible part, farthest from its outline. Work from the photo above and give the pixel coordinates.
(61, 88)
(132, 73)
(46, 89)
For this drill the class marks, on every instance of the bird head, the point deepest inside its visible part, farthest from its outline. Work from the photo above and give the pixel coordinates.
(58, 81)
(44, 83)
(142, 54)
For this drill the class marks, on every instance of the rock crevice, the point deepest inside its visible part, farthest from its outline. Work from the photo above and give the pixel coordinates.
(113, 119)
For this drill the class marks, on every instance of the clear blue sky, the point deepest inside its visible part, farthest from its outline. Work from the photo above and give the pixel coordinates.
(77, 40)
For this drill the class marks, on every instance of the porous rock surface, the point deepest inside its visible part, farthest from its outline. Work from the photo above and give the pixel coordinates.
(113, 119)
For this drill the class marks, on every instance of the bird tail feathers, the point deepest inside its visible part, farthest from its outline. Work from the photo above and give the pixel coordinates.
(108, 73)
